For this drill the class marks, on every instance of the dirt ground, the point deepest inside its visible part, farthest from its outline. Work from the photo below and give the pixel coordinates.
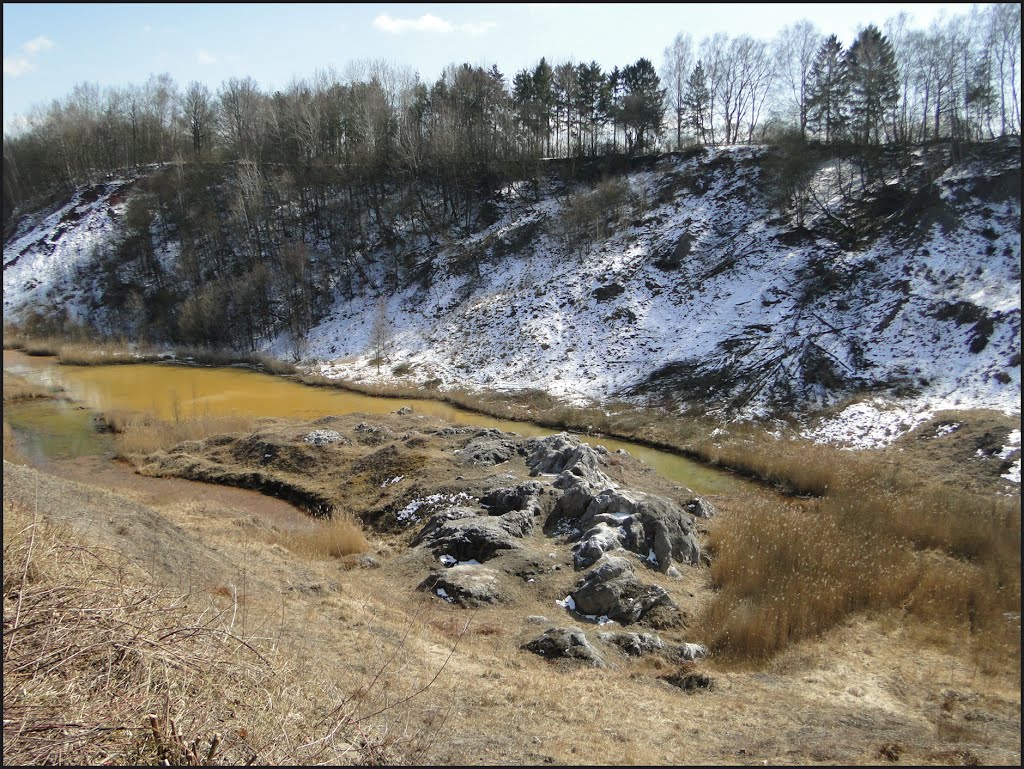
(452, 685)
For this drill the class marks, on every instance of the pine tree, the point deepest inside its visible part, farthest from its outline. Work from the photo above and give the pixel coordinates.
(828, 91)
(590, 81)
(643, 106)
(697, 103)
(874, 85)
(544, 94)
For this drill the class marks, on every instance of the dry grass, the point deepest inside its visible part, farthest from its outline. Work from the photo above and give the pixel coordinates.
(42, 346)
(103, 667)
(79, 349)
(141, 434)
(18, 388)
(334, 538)
(104, 353)
(788, 570)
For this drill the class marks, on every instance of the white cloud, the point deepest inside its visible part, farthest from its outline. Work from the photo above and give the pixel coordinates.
(205, 57)
(425, 23)
(20, 63)
(41, 43)
(147, 28)
(430, 23)
(16, 65)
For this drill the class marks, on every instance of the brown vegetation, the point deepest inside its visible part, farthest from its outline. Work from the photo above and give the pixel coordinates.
(141, 434)
(333, 538)
(83, 349)
(102, 666)
(18, 388)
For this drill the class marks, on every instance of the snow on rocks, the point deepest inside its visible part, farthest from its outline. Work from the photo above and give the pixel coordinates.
(323, 437)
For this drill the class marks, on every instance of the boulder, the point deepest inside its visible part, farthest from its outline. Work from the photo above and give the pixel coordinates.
(640, 644)
(468, 586)
(565, 643)
(699, 507)
(489, 450)
(462, 534)
(563, 453)
(323, 437)
(612, 590)
(687, 652)
(600, 539)
(650, 526)
(530, 496)
(634, 644)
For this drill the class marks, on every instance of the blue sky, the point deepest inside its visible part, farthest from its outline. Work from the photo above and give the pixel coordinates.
(48, 48)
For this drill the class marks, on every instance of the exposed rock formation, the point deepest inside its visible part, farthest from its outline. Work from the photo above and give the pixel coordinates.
(565, 643)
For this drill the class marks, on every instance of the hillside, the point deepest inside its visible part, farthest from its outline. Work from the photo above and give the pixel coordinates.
(718, 278)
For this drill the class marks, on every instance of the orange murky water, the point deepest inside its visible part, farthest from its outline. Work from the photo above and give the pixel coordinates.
(170, 391)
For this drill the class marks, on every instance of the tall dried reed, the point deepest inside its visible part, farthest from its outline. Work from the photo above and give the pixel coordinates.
(789, 570)
(333, 538)
(142, 434)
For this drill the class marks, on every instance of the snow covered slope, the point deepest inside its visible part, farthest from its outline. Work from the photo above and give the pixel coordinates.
(709, 295)
(706, 295)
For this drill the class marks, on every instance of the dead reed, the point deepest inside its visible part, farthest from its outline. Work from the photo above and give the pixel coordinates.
(18, 388)
(333, 538)
(142, 434)
(790, 570)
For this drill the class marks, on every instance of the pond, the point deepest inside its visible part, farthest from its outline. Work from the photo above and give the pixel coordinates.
(174, 391)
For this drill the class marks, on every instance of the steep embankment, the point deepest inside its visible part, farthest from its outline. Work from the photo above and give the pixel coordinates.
(685, 281)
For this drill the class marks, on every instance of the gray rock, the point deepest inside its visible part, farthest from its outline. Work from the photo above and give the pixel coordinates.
(440, 519)
(468, 586)
(563, 453)
(461, 533)
(404, 411)
(565, 643)
(489, 450)
(688, 652)
(699, 507)
(611, 590)
(651, 526)
(323, 437)
(368, 561)
(530, 496)
(634, 644)
(596, 541)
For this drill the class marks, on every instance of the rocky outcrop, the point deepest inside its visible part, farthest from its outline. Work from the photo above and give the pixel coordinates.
(634, 644)
(642, 644)
(602, 517)
(462, 534)
(565, 643)
(531, 497)
(612, 590)
(470, 586)
(323, 437)
(490, 447)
